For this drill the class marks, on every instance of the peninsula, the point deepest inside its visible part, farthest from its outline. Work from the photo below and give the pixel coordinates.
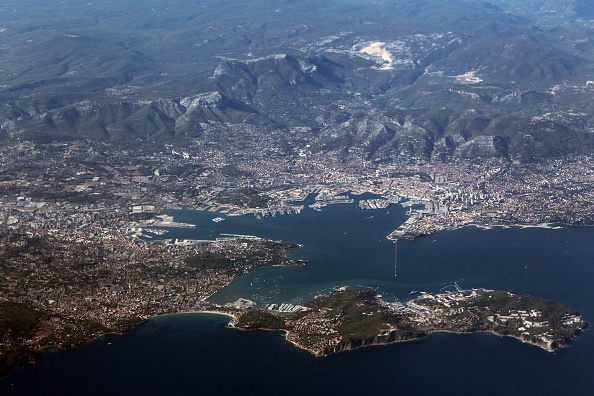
(63, 290)
(347, 318)
(59, 290)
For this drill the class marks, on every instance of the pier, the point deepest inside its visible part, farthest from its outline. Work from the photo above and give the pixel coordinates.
(396, 257)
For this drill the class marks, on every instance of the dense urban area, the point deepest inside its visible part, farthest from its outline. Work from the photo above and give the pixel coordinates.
(119, 118)
(84, 248)
(57, 185)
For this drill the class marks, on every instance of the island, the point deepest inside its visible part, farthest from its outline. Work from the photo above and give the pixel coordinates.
(351, 317)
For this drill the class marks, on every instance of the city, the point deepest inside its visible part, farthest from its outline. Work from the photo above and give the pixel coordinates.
(93, 208)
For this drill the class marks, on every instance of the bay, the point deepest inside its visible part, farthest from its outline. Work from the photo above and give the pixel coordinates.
(197, 353)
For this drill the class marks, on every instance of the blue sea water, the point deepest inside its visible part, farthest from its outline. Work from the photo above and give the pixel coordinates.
(198, 354)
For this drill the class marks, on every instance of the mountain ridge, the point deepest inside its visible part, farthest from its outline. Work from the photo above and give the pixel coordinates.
(471, 79)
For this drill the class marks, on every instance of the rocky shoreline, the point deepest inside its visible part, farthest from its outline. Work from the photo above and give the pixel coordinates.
(349, 318)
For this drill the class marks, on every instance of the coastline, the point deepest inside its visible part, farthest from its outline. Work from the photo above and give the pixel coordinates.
(287, 334)
(481, 226)
(45, 348)
(62, 338)
(144, 322)
(318, 354)
(194, 312)
(332, 340)
(498, 335)
(550, 226)
(407, 235)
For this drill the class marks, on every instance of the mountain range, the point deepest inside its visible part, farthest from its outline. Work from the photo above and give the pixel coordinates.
(428, 79)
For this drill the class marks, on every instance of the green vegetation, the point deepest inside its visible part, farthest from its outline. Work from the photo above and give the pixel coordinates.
(342, 319)
(357, 311)
(361, 316)
(232, 171)
(243, 197)
(257, 319)
(208, 260)
(255, 253)
(541, 322)
(18, 322)
(16, 356)
(184, 170)
(503, 302)
(350, 317)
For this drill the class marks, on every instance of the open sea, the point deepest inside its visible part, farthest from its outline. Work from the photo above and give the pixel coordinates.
(198, 354)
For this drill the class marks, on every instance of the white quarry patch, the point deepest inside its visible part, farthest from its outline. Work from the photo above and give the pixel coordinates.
(468, 78)
(377, 50)
(401, 53)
